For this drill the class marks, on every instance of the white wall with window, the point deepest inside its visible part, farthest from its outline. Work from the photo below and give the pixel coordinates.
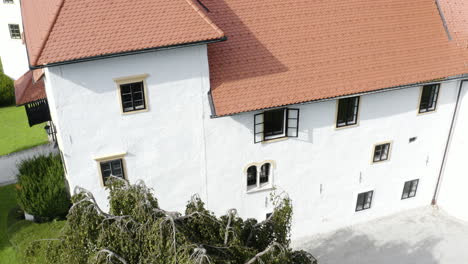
(177, 149)
(12, 50)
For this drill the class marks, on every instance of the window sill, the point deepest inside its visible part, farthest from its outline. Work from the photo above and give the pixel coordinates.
(261, 189)
(348, 126)
(272, 140)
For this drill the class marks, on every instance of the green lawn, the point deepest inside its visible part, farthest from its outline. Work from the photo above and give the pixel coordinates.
(15, 235)
(15, 133)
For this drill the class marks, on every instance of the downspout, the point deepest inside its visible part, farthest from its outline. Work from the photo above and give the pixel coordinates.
(447, 145)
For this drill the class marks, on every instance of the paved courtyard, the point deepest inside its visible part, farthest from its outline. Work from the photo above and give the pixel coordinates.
(420, 236)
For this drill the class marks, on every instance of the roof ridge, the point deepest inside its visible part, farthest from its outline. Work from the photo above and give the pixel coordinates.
(205, 17)
(49, 30)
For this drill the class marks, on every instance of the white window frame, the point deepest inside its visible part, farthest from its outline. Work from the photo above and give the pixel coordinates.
(260, 186)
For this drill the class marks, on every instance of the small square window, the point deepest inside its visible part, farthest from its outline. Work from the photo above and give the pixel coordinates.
(410, 189)
(133, 96)
(112, 167)
(429, 95)
(14, 31)
(381, 152)
(8, 1)
(364, 201)
(274, 123)
(348, 109)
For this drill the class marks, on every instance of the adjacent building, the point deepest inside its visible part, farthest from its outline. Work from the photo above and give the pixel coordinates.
(350, 108)
(12, 49)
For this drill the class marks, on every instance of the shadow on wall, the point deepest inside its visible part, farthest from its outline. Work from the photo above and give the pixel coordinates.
(348, 247)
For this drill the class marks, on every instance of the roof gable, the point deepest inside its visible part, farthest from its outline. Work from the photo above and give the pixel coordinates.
(64, 30)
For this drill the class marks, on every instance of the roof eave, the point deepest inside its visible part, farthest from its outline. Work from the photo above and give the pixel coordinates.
(127, 53)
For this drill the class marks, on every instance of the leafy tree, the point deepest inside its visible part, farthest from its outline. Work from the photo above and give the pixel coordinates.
(7, 90)
(137, 231)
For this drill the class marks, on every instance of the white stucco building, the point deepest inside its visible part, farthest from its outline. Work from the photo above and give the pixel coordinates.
(227, 101)
(12, 50)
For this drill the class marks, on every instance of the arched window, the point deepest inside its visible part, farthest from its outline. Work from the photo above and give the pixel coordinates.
(252, 176)
(265, 173)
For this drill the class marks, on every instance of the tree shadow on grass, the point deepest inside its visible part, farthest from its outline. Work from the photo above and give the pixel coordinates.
(348, 247)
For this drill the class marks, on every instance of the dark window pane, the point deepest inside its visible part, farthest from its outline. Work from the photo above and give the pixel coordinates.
(252, 176)
(364, 201)
(133, 96)
(265, 173)
(429, 97)
(14, 31)
(381, 152)
(347, 111)
(409, 189)
(274, 122)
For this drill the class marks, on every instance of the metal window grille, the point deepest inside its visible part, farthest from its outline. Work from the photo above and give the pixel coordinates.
(410, 189)
(15, 32)
(252, 176)
(381, 152)
(112, 167)
(133, 96)
(429, 96)
(348, 109)
(364, 201)
(276, 124)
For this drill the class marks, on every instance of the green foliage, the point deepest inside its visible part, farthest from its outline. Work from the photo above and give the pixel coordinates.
(137, 231)
(7, 90)
(41, 189)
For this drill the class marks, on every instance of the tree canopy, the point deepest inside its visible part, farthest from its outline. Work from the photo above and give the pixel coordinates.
(137, 231)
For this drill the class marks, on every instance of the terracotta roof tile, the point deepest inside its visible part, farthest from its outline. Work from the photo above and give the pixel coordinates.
(27, 90)
(63, 30)
(293, 51)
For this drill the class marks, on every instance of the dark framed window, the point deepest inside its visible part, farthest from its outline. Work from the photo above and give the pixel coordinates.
(348, 109)
(381, 152)
(252, 176)
(275, 124)
(364, 201)
(410, 189)
(15, 32)
(429, 95)
(8, 1)
(265, 173)
(112, 167)
(133, 96)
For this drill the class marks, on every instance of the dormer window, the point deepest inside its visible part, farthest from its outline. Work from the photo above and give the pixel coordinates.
(132, 93)
(259, 176)
(274, 124)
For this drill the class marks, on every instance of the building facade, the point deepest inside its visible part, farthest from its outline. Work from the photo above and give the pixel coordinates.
(12, 49)
(361, 144)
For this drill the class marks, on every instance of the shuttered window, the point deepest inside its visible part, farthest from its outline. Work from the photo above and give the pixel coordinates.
(348, 109)
(364, 201)
(429, 95)
(274, 124)
(409, 189)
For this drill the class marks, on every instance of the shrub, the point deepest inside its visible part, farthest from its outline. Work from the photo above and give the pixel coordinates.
(7, 90)
(41, 187)
(137, 230)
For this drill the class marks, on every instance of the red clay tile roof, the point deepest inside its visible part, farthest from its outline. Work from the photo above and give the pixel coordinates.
(456, 16)
(293, 51)
(63, 30)
(27, 90)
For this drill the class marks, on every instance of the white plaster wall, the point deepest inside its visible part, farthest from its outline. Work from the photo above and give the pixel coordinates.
(179, 150)
(12, 51)
(453, 195)
(9, 163)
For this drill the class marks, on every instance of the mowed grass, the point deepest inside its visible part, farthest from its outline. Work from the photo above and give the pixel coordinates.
(16, 235)
(15, 133)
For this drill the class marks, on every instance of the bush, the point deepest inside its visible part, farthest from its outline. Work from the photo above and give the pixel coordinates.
(137, 230)
(7, 90)
(41, 187)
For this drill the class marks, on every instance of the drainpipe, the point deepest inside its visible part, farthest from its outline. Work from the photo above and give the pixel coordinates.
(449, 139)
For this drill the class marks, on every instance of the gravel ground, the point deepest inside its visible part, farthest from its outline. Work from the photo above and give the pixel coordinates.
(420, 236)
